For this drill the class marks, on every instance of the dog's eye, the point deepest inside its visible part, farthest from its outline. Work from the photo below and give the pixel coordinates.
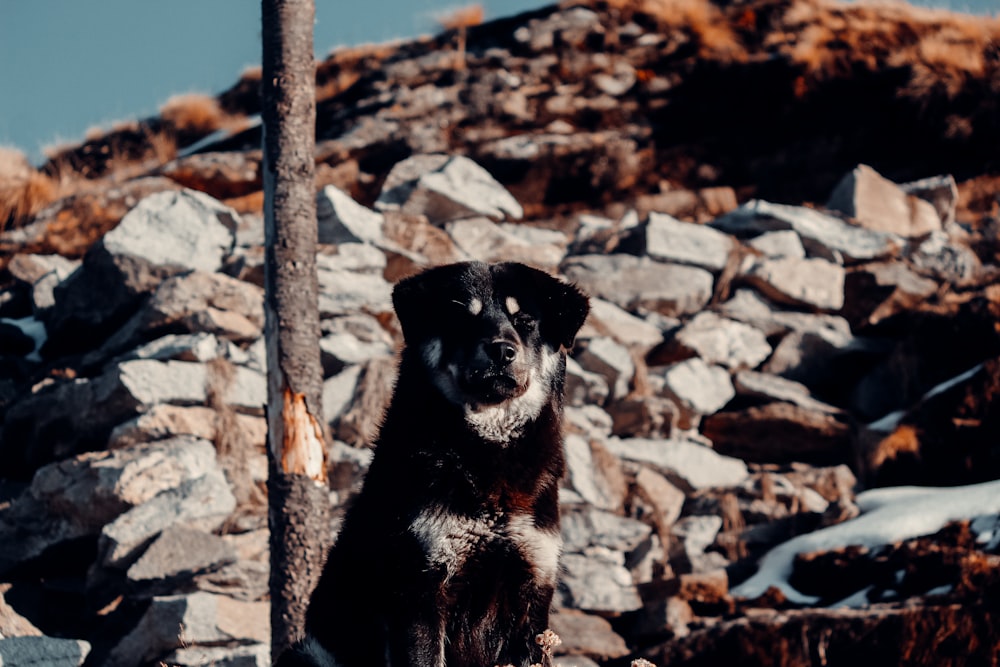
(523, 320)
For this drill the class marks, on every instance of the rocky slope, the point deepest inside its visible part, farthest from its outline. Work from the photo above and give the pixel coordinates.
(786, 214)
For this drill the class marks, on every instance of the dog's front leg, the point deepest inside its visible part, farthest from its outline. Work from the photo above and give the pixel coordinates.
(416, 637)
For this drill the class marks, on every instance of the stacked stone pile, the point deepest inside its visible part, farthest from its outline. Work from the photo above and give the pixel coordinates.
(749, 364)
(718, 400)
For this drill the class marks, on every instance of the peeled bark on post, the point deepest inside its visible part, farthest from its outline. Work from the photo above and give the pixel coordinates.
(298, 500)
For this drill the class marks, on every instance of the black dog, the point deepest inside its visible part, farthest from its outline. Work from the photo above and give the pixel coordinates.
(449, 554)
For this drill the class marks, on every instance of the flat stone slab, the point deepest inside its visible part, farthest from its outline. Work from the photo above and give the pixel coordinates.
(816, 228)
(688, 465)
(814, 283)
(640, 283)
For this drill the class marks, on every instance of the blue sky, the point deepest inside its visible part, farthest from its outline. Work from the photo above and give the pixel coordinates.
(68, 65)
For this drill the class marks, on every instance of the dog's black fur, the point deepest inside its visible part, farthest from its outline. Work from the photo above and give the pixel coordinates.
(448, 555)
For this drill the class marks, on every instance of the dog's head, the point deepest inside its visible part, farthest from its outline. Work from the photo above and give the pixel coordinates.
(490, 334)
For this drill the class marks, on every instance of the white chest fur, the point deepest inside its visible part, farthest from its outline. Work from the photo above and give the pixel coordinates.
(449, 540)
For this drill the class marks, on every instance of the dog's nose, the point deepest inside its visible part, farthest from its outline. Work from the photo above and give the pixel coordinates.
(501, 351)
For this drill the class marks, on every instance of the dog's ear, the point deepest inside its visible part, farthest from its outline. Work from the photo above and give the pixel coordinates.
(418, 300)
(564, 306)
(411, 301)
(570, 307)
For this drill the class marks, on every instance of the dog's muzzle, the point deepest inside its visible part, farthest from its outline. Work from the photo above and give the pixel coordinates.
(494, 374)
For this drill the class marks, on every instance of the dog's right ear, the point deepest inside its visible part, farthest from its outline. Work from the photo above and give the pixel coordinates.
(421, 300)
(410, 300)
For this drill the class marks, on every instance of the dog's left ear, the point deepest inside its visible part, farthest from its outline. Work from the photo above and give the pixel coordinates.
(564, 307)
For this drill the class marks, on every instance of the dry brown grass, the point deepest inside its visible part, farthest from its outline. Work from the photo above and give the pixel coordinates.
(23, 190)
(703, 20)
(194, 113)
(903, 442)
(942, 48)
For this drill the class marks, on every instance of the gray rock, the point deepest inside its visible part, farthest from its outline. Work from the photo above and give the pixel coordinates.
(782, 433)
(446, 188)
(339, 391)
(338, 350)
(78, 497)
(584, 387)
(242, 580)
(43, 273)
(143, 383)
(178, 554)
(587, 635)
(779, 245)
(670, 240)
(590, 527)
(692, 535)
(351, 257)
(639, 283)
(816, 357)
(183, 621)
(944, 259)
(598, 581)
(814, 283)
(775, 388)
(253, 655)
(665, 498)
(815, 228)
(698, 389)
(644, 417)
(746, 305)
(345, 289)
(165, 421)
(343, 220)
(689, 466)
(197, 347)
(716, 340)
(203, 503)
(187, 230)
(484, 240)
(166, 234)
(612, 361)
(12, 624)
(588, 420)
(941, 192)
(879, 204)
(607, 319)
(573, 25)
(618, 82)
(42, 651)
(594, 474)
(197, 303)
(30, 268)
(879, 290)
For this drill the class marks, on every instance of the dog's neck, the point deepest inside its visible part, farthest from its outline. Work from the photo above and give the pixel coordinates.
(523, 436)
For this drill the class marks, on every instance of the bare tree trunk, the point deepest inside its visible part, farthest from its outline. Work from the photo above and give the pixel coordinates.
(298, 500)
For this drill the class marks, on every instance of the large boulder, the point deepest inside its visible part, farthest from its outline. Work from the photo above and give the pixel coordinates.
(640, 283)
(877, 203)
(199, 619)
(78, 497)
(822, 233)
(167, 233)
(446, 188)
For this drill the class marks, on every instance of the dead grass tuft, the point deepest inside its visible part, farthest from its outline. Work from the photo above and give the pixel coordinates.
(706, 23)
(461, 20)
(903, 442)
(194, 113)
(23, 190)
(942, 49)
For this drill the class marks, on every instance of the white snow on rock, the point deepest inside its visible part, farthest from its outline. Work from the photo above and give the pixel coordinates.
(889, 515)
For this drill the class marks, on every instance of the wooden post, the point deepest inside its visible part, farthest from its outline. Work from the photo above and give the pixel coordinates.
(298, 499)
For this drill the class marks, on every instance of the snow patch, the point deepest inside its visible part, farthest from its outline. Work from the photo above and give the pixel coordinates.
(889, 515)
